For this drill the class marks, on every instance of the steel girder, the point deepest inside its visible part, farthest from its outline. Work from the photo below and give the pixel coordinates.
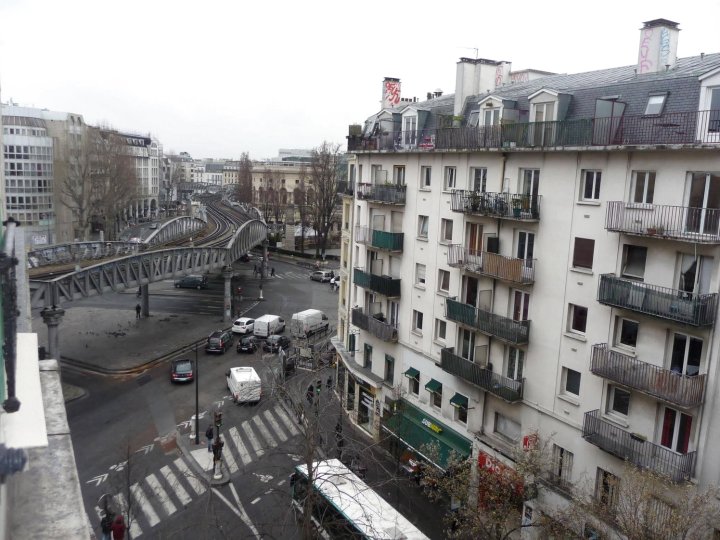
(80, 251)
(250, 234)
(174, 229)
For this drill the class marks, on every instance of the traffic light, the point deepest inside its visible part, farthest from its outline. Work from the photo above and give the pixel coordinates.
(218, 418)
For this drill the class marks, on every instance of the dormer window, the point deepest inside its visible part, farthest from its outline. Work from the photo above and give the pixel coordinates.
(490, 111)
(655, 104)
(409, 135)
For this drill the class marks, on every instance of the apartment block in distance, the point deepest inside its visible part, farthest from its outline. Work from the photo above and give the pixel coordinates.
(540, 253)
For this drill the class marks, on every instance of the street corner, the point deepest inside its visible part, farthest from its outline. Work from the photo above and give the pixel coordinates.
(204, 459)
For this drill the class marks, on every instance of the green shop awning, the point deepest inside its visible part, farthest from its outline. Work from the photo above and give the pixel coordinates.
(433, 386)
(412, 373)
(417, 430)
(458, 400)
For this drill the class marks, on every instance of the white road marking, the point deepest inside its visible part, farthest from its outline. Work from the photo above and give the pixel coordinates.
(255, 500)
(142, 501)
(135, 529)
(239, 511)
(272, 443)
(176, 485)
(253, 440)
(228, 455)
(281, 482)
(190, 476)
(161, 494)
(280, 413)
(276, 427)
(244, 454)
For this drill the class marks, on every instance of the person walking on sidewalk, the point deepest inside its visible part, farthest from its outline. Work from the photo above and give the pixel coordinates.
(272, 272)
(106, 524)
(329, 382)
(138, 309)
(209, 435)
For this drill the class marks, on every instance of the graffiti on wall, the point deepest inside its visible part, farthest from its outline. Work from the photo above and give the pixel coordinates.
(645, 64)
(392, 93)
(664, 46)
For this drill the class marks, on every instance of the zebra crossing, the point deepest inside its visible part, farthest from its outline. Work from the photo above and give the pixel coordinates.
(164, 492)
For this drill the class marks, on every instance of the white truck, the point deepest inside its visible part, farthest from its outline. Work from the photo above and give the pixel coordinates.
(244, 384)
(308, 322)
(268, 325)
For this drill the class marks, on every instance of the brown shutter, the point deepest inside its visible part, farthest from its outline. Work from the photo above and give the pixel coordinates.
(583, 253)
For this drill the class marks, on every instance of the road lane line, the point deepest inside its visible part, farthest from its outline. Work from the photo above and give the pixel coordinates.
(175, 484)
(239, 511)
(254, 500)
(135, 529)
(244, 454)
(190, 476)
(160, 493)
(280, 413)
(272, 443)
(144, 504)
(276, 427)
(247, 430)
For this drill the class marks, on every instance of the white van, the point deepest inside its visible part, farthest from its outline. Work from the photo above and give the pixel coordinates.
(268, 324)
(244, 384)
(308, 322)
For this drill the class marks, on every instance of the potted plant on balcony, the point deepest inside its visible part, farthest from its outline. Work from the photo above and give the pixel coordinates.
(517, 207)
(475, 200)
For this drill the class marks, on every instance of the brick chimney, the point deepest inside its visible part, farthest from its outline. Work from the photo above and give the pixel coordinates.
(390, 93)
(658, 46)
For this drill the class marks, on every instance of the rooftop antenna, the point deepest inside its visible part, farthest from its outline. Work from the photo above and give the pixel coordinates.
(472, 49)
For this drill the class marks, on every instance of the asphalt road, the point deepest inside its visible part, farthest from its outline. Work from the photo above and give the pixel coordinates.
(115, 426)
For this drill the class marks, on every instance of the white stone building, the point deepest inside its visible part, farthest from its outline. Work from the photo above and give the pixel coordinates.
(540, 252)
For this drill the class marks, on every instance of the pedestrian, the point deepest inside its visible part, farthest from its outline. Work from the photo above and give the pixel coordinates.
(209, 435)
(310, 394)
(255, 271)
(318, 387)
(272, 272)
(138, 309)
(106, 524)
(118, 528)
(329, 382)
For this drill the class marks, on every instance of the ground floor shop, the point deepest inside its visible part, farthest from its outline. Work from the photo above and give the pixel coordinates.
(361, 398)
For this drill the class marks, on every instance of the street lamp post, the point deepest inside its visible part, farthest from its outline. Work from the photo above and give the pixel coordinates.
(197, 408)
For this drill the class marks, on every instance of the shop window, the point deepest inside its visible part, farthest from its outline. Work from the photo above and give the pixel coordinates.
(389, 369)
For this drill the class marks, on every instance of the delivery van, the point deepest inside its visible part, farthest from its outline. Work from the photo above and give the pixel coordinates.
(268, 325)
(308, 322)
(244, 384)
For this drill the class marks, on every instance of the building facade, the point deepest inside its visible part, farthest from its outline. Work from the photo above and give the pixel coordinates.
(540, 253)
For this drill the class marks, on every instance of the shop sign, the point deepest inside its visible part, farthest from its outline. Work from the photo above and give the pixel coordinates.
(366, 399)
(431, 426)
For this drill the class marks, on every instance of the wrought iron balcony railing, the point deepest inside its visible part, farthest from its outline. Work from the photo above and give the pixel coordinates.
(384, 285)
(515, 332)
(9, 314)
(503, 387)
(682, 390)
(636, 449)
(683, 223)
(672, 304)
(510, 269)
(382, 193)
(698, 127)
(375, 324)
(503, 205)
(379, 239)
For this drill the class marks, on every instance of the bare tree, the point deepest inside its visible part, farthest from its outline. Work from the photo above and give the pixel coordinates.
(324, 179)
(300, 201)
(243, 190)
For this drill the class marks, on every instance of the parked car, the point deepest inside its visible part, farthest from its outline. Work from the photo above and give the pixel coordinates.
(244, 325)
(244, 257)
(274, 343)
(153, 225)
(248, 344)
(182, 370)
(323, 276)
(191, 282)
(219, 341)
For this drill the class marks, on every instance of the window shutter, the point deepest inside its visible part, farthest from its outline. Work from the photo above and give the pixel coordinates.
(583, 253)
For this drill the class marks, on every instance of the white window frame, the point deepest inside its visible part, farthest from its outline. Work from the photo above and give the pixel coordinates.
(642, 187)
(420, 275)
(417, 321)
(399, 175)
(655, 105)
(610, 406)
(571, 319)
(478, 175)
(450, 178)
(414, 385)
(565, 380)
(440, 330)
(595, 177)
(425, 177)
(459, 412)
(620, 323)
(423, 226)
(625, 271)
(446, 225)
(515, 363)
(562, 462)
(443, 275)
(409, 130)
(686, 352)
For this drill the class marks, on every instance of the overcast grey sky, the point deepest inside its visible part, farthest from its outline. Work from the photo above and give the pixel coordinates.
(217, 78)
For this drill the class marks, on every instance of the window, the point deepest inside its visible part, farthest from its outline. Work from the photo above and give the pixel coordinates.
(655, 104)
(446, 230)
(562, 462)
(521, 304)
(686, 354)
(526, 247)
(507, 427)
(491, 116)
(618, 401)
(478, 179)
(626, 332)
(583, 253)
(399, 175)
(571, 381)
(449, 183)
(425, 177)
(633, 265)
(607, 488)
(389, 369)
(435, 389)
(695, 273)
(423, 226)
(577, 319)
(417, 321)
(642, 189)
(440, 329)
(590, 189)
(460, 406)
(515, 362)
(367, 356)
(443, 281)
(676, 430)
(409, 130)
(377, 174)
(414, 385)
(420, 274)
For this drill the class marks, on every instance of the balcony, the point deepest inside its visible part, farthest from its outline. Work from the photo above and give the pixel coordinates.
(384, 285)
(507, 389)
(514, 332)
(690, 128)
(376, 325)
(346, 188)
(671, 304)
(681, 223)
(637, 450)
(510, 269)
(382, 193)
(681, 390)
(515, 206)
(379, 239)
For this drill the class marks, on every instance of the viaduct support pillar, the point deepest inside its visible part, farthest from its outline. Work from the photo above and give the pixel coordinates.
(227, 305)
(51, 317)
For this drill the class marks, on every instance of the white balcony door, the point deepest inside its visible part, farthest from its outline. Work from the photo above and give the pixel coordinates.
(530, 183)
(695, 273)
(525, 245)
(686, 354)
(378, 222)
(703, 213)
(521, 305)
(474, 241)
(394, 312)
(409, 130)
(467, 344)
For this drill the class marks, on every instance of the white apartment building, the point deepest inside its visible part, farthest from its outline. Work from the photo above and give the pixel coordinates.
(541, 252)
